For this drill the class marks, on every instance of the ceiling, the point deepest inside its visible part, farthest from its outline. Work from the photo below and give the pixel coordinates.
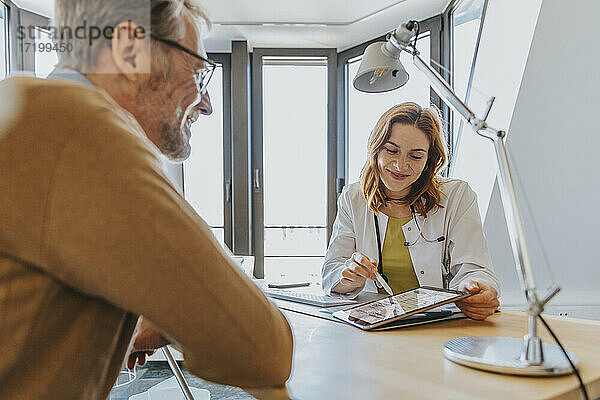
(290, 23)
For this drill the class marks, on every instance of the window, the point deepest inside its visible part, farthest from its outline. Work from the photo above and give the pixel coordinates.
(466, 19)
(475, 159)
(294, 161)
(45, 57)
(3, 41)
(203, 172)
(364, 109)
(291, 156)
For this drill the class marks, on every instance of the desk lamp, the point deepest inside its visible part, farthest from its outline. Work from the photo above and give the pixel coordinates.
(380, 71)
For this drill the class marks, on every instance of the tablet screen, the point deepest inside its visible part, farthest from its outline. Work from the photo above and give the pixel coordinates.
(398, 306)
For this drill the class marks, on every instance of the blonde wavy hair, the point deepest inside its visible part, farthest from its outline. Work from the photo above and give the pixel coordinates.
(424, 193)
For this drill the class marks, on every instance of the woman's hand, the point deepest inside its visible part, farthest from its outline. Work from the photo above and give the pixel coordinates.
(359, 268)
(482, 304)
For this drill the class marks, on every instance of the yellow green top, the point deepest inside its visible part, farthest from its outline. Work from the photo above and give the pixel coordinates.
(397, 265)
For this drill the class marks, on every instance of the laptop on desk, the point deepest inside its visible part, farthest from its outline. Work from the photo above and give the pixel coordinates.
(312, 296)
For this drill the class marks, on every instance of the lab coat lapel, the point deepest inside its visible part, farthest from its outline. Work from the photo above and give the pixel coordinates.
(383, 221)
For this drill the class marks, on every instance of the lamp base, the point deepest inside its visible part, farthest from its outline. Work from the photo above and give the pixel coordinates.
(502, 355)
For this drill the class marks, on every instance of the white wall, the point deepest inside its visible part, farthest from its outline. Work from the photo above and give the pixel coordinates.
(555, 141)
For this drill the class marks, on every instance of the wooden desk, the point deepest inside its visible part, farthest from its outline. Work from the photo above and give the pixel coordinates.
(337, 361)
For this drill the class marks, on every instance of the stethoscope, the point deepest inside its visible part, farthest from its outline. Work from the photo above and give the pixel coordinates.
(407, 244)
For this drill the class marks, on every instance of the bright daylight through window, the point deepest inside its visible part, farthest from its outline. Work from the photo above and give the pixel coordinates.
(203, 170)
(465, 28)
(294, 154)
(45, 57)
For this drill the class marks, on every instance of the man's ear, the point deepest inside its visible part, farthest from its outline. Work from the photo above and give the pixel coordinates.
(130, 49)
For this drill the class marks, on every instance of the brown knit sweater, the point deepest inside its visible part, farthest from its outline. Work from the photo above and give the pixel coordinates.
(92, 235)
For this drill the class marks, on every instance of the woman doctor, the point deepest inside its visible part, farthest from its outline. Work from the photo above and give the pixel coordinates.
(403, 220)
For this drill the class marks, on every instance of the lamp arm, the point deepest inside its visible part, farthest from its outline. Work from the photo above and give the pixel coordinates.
(514, 221)
(398, 41)
(509, 200)
(445, 91)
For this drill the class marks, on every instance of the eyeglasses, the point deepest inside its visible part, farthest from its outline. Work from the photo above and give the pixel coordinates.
(201, 78)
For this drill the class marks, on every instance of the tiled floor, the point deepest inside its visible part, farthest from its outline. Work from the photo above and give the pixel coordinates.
(157, 371)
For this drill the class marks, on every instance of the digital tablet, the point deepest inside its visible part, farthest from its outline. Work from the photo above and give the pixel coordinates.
(379, 312)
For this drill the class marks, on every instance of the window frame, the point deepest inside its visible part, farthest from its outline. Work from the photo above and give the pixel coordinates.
(7, 39)
(28, 18)
(448, 34)
(256, 151)
(14, 53)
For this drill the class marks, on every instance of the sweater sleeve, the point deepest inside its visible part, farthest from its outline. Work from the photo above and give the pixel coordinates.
(116, 228)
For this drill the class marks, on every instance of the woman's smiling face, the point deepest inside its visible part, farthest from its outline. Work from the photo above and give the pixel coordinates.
(402, 159)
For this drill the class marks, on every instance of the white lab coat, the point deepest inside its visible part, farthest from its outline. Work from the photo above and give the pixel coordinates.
(461, 257)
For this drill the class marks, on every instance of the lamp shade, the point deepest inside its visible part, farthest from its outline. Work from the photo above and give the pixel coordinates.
(379, 72)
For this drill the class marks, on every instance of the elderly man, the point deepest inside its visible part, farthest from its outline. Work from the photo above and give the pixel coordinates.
(93, 235)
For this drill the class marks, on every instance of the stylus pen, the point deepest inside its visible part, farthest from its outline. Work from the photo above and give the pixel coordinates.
(384, 284)
(429, 314)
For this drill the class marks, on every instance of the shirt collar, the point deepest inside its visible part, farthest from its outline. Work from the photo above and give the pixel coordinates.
(70, 75)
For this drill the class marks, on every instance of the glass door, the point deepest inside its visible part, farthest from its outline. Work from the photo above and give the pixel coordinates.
(206, 176)
(291, 174)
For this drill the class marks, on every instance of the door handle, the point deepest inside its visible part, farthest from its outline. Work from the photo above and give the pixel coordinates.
(228, 191)
(256, 183)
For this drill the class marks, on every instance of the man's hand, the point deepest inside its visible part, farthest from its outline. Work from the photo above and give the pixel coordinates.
(146, 342)
(482, 304)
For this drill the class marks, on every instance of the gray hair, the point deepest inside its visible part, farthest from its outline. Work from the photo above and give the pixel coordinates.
(164, 18)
